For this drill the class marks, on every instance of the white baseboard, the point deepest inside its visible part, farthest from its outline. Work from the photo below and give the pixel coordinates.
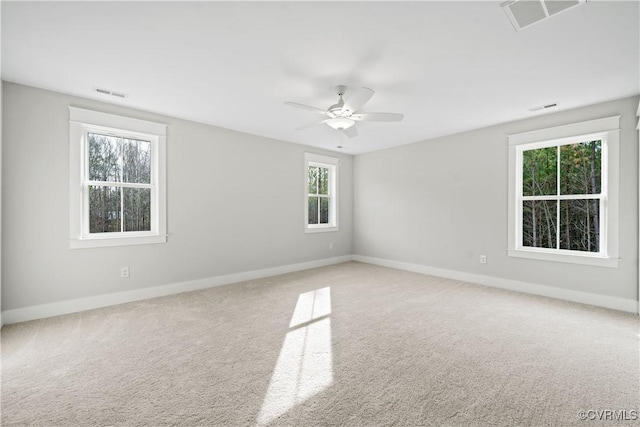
(615, 303)
(89, 303)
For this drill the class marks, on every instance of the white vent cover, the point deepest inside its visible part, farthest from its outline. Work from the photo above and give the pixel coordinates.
(110, 92)
(522, 13)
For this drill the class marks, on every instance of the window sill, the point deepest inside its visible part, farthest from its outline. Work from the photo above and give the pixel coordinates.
(320, 229)
(115, 241)
(568, 258)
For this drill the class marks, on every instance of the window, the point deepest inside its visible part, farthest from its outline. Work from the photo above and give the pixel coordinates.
(117, 180)
(320, 193)
(563, 193)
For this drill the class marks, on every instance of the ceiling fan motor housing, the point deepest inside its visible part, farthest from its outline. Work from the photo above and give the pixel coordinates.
(336, 110)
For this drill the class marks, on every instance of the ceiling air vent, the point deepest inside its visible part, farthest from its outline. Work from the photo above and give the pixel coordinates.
(543, 107)
(110, 93)
(522, 13)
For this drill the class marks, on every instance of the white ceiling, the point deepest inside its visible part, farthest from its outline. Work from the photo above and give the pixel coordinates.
(448, 66)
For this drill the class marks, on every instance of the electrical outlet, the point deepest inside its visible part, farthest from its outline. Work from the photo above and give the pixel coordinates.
(331, 245)
(483, 259)
(124, 273)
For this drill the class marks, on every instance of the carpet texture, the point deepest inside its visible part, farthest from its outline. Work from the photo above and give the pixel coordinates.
(345, 345)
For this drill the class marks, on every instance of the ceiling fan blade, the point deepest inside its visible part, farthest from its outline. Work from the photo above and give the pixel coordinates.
(306, 107)
(351, 131)
(358, 99)
(377, 117)
(310, 125)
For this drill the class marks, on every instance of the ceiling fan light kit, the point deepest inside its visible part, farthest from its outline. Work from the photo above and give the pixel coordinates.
(342, 115)
(341, 123)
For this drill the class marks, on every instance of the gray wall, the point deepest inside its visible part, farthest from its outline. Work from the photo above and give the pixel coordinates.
(1, 322)
(443, 202)
(235, 204)
(438, 203)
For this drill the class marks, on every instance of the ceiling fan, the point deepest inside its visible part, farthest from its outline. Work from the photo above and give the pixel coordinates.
(343, 115)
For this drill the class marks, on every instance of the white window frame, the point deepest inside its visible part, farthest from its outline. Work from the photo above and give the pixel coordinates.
(83, 122)
(608, 131)
(331, 163)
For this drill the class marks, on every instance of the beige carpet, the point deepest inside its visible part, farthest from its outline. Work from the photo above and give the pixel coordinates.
(351, 344)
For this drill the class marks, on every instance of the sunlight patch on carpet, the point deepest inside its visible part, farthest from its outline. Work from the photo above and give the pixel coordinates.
(305, 364)
(311, 305)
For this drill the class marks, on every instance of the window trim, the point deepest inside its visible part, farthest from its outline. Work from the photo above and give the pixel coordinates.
(332, 163)
(608, 130)
(83, 121)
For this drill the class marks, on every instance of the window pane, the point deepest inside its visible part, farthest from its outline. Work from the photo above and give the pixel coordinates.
(104, 158)
(137, 209)
(136, 161)
(539, 171)
(323, 181)
(104, 209)
(580, 225)
(580, 166)
(312, 180)
(313, 210)
(324, 210)
(539, 223)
